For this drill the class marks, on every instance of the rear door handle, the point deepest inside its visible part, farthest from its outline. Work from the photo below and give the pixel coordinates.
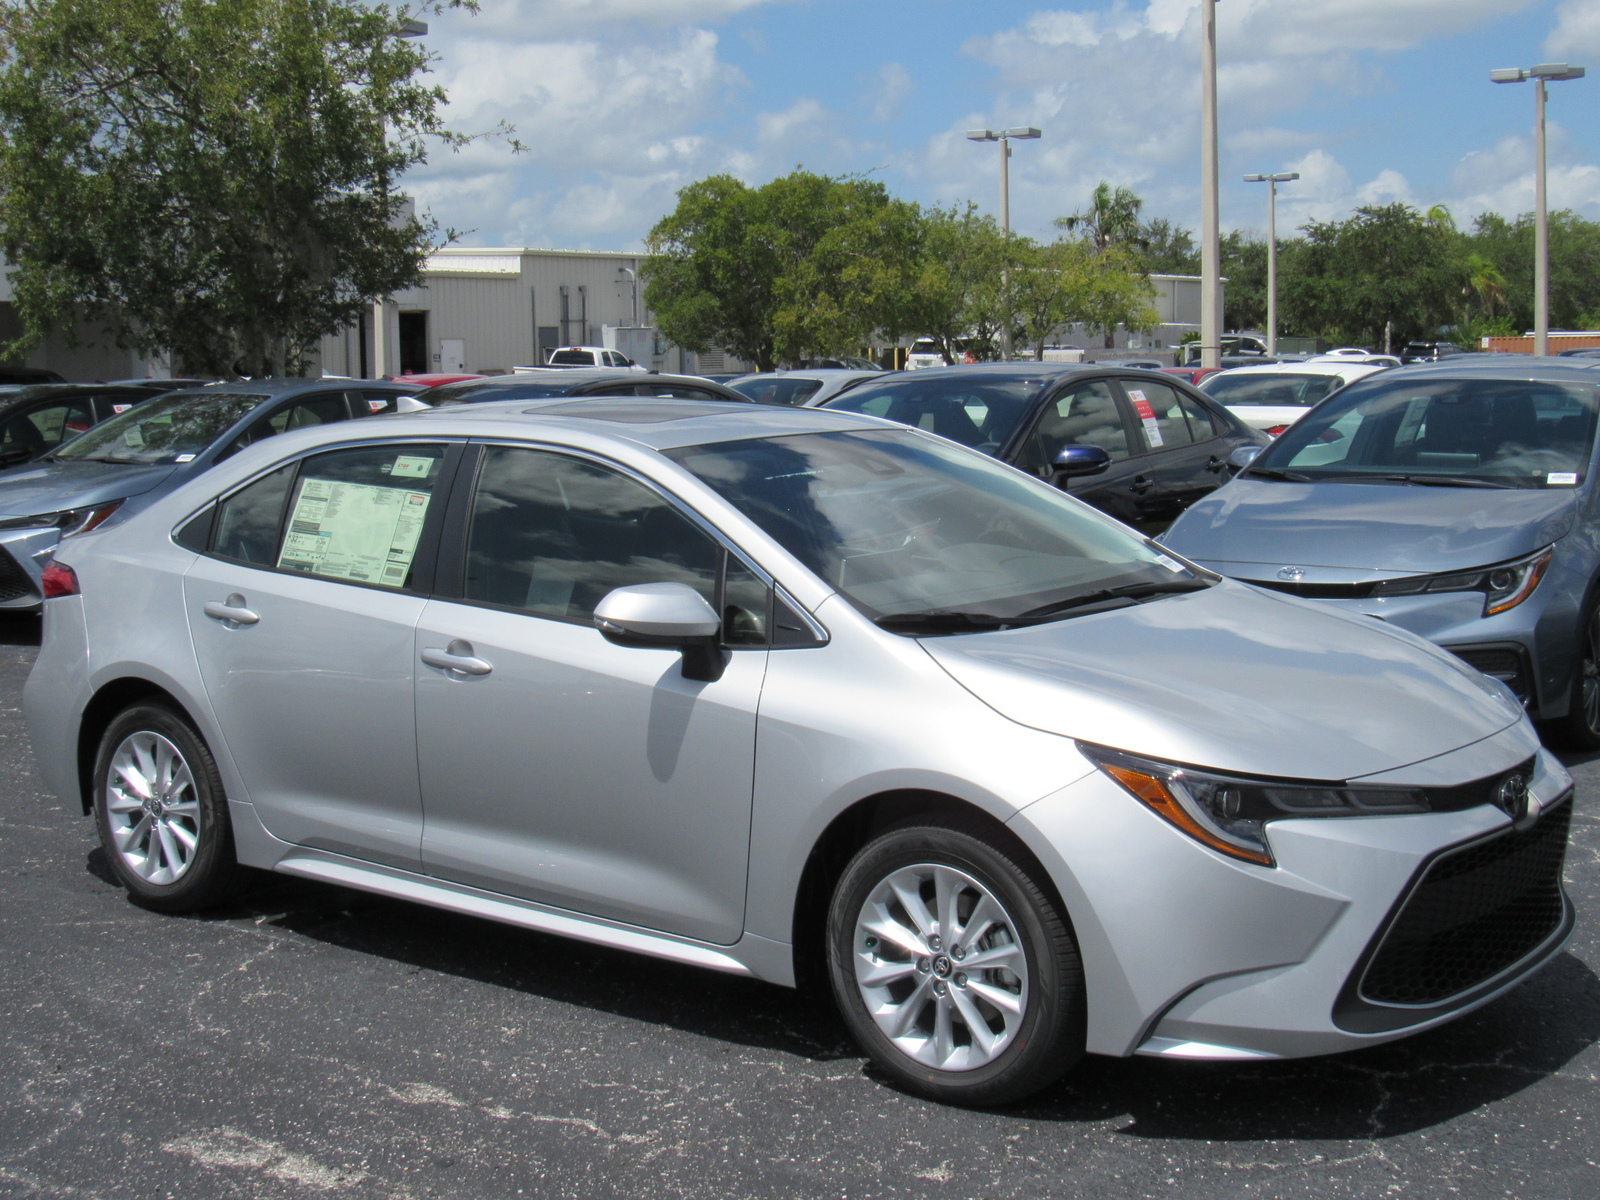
(458, 657)
(1216, 464)
(1142, 484)
(231, 612)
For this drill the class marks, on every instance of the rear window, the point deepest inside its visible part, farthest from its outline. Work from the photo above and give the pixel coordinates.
(778, 389)
(981, 413)
(1286, 390)
(572, 358)
(476, 391)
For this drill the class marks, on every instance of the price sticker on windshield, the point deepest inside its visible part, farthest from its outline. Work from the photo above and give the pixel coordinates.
(1560, 478)
(1147, 417)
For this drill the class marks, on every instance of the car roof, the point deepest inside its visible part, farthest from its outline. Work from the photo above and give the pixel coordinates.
(660, 424)
(826, 374)
(573, 375)
(1502, 366)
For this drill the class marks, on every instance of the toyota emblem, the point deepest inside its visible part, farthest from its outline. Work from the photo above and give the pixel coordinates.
(1513, 796)
(1291, 574)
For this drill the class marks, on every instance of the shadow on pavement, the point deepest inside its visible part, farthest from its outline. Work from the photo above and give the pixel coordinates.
(1385, 1091)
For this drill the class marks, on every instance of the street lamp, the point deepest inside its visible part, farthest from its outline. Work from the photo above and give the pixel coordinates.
(1210, 232)
(411, 29)
(1555, 72)
(1004, 136)
(380, 306)
(1272, 182)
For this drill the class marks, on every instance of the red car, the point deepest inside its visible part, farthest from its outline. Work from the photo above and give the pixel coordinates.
(434, 379)
(1191, 375)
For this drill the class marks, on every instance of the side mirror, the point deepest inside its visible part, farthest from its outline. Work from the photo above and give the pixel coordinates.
(1243, 456)
(1075, 461)
(665, 616)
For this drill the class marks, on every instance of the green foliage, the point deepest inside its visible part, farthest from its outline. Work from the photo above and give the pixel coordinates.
(1168, 249)
(1112, 218)
(955, 292)
(1068, 282)
(1244, 266)
(210, 178)
(798, 268)
(1507, 245)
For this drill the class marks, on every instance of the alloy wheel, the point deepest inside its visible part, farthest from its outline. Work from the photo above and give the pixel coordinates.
(152, 808)
(941, 967)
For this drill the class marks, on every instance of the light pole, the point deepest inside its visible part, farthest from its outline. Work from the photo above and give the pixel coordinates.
(1004, 136)
(380, 306)
(1272, 182)
(1210, 232)
(1541, 220)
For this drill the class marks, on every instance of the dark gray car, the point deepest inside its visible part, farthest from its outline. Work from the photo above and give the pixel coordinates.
(1454, 499)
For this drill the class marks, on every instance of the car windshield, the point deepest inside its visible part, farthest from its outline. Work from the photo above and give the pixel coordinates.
(778, 389)
(476, 391)
(926, 537)
(1463, 432)
(977, 412)
(1270, 390)
(176, 426)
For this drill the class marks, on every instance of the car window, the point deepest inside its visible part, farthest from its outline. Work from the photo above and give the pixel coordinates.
(552, 535)
(1202, 424)
(173, 428)
(249, 520)
(1518, 432)
(778, 389)
(572, 358)
(1271, 390)
(676, 391)
(357, 515)
(981, 413)
(374, 401)
(42, 428)
(1086, 416)
(1159, 414)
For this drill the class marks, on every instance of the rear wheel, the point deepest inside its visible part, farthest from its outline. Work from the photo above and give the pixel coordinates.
(1580, 728)
(161, 813)
(953, 967)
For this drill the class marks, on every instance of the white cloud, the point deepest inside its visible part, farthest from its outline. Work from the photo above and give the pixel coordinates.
(1577, 29)
(548, 19)
(1500, 179)
(888, 91)
(801, 121)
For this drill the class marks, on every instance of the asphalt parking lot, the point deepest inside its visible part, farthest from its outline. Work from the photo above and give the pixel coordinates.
(314, 1042)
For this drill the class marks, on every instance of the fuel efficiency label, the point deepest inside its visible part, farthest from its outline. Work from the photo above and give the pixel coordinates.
(354, 531)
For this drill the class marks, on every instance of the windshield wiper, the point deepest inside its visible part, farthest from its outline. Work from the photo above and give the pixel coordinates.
(1277, 473)
(1436, 480)
(1127, 591)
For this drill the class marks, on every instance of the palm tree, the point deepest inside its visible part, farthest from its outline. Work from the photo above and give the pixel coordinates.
(1112, 218)
(1485, 280)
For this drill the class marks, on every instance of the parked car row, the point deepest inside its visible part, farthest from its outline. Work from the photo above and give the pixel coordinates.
(881, 678)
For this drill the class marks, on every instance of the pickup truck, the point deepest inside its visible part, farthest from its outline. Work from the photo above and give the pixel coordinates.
(583, 356)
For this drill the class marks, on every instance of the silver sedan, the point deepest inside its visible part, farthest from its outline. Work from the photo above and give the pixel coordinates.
(759, 689)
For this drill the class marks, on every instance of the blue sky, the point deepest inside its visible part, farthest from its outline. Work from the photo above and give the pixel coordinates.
(622, 102)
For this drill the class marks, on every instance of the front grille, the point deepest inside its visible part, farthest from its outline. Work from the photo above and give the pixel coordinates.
(1318, 591)
(1474, 913)
(14, 581)
(1508, 664)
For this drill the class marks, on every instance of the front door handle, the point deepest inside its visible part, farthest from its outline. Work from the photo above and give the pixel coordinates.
(231, 612)
(1216, 464)
(457, 657)
(1141, 484)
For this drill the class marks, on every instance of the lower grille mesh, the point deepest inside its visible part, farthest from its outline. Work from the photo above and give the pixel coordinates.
(1476, 912)
(14, 581)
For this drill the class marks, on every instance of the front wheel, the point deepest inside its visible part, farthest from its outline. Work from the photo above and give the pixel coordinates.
(1580, 728)
(161, 812)
(953, 967)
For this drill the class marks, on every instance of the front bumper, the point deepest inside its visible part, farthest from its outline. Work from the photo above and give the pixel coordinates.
(1190, 954)
(24, 554)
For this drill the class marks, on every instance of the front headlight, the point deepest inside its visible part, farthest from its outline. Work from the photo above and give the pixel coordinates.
(1504, 586)
(69, 520)
(1229, 813)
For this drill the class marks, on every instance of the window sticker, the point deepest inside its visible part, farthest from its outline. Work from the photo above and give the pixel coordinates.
(377, 405)
(411, 466)
(354, 531)
(1558, 478)
(184, 458)
(120, 408)
(1147, 417)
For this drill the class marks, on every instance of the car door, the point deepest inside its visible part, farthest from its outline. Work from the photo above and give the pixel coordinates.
(1091, 413)
(1175, 460)
(558, 766)
(302, 612)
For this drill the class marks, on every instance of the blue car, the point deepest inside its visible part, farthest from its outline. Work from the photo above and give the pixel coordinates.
(132, 459)
(1456, 500)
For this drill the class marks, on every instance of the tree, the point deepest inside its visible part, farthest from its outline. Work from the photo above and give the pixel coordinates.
(954, 292)
(1167, 249)
(1384, 276)
(1507, 244)
(1066, 282)
(802, 266)
(215, 179)
(1112, 217)
(1244, 266)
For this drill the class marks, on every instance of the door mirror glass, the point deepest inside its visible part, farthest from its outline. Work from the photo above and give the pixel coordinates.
(1243, 456)
(1074, 461)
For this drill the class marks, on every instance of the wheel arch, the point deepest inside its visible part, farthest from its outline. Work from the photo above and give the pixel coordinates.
(864, 820)
(109, 700)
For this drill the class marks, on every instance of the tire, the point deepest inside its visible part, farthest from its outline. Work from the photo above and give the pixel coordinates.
(902, 988)
(1580, 728)
(170, 844)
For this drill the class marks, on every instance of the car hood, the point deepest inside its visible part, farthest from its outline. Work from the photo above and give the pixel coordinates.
(1235, 679)
(1374, 528)
(52, 486)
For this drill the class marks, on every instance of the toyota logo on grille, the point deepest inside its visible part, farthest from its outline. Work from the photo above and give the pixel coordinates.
(1513, 796)
(1291, 574)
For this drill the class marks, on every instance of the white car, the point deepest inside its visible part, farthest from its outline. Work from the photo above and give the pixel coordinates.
(1357, 354)
(584, 356)
(1274, 396)
(924, 352)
